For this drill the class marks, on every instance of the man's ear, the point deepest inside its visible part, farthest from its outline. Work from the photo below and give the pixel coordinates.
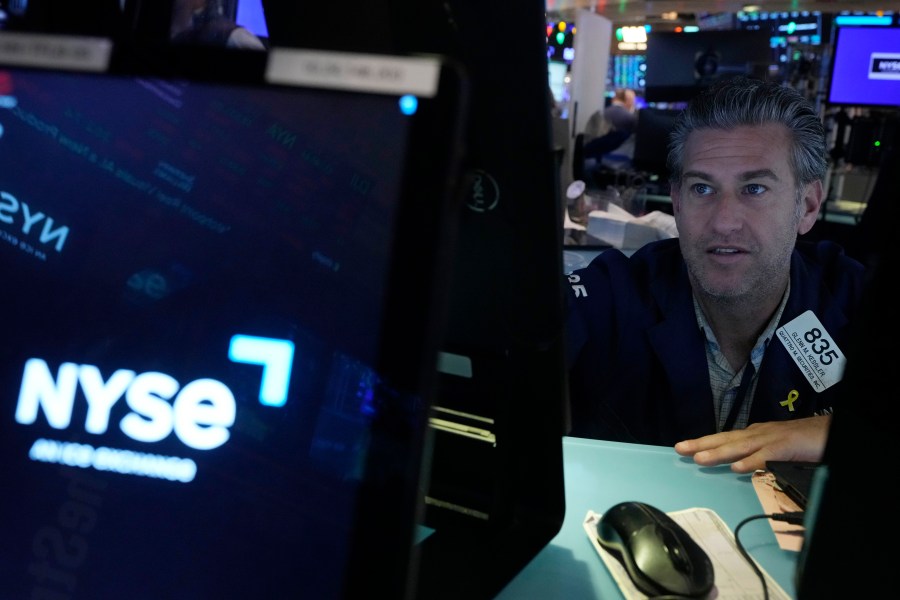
(813, 194)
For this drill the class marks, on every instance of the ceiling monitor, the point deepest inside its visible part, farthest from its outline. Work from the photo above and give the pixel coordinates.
(680, 65)
(787, 29)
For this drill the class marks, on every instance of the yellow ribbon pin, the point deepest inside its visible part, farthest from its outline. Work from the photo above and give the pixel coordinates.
(792, 396)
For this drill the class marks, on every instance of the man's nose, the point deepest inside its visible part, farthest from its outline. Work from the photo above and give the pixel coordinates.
(728, 213)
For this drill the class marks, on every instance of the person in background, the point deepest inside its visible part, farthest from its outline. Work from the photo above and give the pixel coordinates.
(204, 22)
(621, 114)
(619, 120)
(692, 341)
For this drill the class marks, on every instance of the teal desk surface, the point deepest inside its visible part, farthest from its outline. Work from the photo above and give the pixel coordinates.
(600, 474)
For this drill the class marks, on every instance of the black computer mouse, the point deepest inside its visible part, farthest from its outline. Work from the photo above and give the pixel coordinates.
(660, 556)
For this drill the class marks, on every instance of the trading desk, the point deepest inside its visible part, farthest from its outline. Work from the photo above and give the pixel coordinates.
(600, 474)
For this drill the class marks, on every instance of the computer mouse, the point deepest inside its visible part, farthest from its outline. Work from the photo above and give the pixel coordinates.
(660, 556)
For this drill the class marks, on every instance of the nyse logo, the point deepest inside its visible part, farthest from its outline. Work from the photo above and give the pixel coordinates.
(199, 413)
(32, 222)
(884, 65)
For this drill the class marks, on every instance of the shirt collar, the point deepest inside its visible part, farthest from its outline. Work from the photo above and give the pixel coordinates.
(762, 341)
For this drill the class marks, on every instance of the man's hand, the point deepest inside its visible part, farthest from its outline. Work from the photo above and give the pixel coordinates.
(748, 449)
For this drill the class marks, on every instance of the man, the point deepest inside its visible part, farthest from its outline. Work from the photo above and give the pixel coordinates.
(692, 341)
(620, 120)
(620, 114)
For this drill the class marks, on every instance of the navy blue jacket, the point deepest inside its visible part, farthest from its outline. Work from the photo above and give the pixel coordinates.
(637, 358)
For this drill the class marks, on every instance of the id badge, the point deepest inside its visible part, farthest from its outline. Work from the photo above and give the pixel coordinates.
(813, 349)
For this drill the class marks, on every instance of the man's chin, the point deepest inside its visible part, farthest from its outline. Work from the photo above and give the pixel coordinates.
(725, 291)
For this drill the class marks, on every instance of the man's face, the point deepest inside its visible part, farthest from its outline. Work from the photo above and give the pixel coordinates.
(737, 213)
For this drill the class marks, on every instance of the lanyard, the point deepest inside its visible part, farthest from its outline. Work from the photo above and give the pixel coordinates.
(743, 387)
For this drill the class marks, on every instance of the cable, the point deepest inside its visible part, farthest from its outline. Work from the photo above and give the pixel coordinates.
(795, 518)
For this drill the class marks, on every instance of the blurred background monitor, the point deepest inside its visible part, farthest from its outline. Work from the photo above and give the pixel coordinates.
(786, 29)
(628, 71)
(651, 141)
(556, 76)
(250, 14)
(679, 65)
(865, 67)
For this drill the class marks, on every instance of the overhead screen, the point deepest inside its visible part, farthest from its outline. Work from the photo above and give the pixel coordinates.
(679, 65)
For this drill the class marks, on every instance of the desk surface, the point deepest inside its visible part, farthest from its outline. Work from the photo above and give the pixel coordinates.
(600, 474)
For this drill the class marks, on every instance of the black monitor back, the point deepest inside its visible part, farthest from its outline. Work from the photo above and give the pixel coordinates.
(496, 498)
(852, 511)
(495, 495)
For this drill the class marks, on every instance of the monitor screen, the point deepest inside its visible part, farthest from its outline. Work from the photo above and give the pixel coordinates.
(865, 67)
(250, 14)
(217, 380)
(785, 28)
(628, 71)
(679, 65)
(556, 75)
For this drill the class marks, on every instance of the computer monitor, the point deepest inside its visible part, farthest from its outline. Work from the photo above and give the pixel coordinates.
(865, 67)
(250, 14)
(858, 466)
(496, 498)
(628, 71)
(228, 274)
(680, 65)
(787, 29)
(557, 72)
(851, 512)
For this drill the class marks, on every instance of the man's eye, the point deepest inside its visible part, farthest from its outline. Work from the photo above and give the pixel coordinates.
(755, 188)
(701, 189)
